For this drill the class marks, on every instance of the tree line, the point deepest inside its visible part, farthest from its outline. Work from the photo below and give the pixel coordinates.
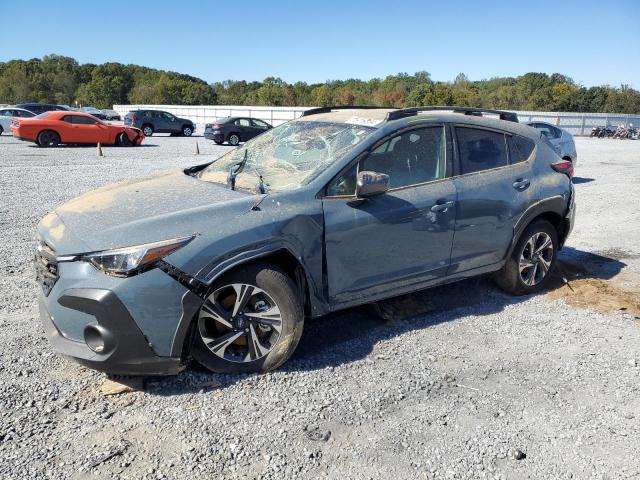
(63, 80)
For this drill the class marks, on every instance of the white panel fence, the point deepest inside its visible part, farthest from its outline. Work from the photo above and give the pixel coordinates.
(576, 123)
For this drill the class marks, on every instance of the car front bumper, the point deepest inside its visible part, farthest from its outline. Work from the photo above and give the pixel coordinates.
(126, 326)
(125, 349)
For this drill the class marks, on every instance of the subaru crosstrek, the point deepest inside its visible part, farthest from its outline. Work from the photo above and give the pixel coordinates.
(223, 262)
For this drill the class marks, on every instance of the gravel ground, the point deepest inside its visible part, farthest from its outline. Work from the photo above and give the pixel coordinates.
(467, 382)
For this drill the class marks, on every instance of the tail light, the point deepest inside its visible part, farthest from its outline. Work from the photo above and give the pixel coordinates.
(218, 126)
(564, 166)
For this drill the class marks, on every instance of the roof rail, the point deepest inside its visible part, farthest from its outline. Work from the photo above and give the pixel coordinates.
(410, 112)
(315, 111)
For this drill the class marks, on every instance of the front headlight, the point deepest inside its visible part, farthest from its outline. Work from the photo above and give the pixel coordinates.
(130, 260)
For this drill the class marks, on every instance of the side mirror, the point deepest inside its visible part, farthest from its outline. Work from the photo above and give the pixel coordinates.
(370, 184)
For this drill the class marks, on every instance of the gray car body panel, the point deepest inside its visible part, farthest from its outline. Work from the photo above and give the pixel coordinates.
(350, 252)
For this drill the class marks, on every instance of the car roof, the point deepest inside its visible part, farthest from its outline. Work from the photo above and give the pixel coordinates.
(64, 113)
(373, 115)
(376, 117)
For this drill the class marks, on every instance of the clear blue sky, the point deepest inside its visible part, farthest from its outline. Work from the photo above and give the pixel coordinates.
(594, 42)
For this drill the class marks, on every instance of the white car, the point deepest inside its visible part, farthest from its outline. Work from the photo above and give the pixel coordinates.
(561, 140)
(7, 113)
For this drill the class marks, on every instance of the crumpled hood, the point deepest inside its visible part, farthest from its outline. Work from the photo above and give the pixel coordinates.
(129, 213)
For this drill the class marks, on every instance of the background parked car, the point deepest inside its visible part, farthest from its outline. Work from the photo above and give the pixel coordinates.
(235, 129)
(158, 121)
(111, 114)
(561, 140)
(7, 113)
(53, 128)
(39, 108)
(94, 111)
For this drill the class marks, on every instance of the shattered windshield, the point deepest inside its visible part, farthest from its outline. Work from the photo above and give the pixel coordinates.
(286, 157)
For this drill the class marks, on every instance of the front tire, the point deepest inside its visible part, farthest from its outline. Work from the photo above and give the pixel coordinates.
(531, 264)
(251, 321)
(48, 139)
(218, 142)
(234, 139)
(124, 140)
(187, 131)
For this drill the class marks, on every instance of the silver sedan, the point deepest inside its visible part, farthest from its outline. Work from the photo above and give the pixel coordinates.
(561, 139)
(7, 113)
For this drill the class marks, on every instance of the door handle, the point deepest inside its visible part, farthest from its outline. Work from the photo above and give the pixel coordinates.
(521, 183)
(443, 207)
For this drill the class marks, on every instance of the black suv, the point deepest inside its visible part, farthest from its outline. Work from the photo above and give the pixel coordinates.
(158, 121)
(235, 129)
(39, 108)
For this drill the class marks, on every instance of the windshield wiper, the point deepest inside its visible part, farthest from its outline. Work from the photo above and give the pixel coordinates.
(231, 178)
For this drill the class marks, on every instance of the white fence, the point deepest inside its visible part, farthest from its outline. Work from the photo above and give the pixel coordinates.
(576, 123)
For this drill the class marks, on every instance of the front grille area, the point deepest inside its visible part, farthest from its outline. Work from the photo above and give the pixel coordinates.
(46, 267)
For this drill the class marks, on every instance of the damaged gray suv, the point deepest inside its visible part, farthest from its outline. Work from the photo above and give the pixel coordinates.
(344, 206)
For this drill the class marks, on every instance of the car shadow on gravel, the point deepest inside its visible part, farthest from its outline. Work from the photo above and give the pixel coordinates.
(578, 180)
(351, 335)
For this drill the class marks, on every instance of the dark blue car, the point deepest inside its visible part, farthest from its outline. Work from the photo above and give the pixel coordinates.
(341, 207)
(234, 130)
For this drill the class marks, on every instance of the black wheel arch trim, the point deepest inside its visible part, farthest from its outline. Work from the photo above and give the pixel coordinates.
(556, 205)
(213, 271)
(198, 289)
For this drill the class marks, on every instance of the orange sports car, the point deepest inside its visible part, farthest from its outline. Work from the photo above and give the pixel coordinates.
(49, 129)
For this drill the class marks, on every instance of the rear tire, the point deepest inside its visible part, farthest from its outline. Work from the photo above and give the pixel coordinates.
(187, 131)
(48, 138)
(265, 329)
(1, 130)
(532, 262)
(147, 130)
(234, 139)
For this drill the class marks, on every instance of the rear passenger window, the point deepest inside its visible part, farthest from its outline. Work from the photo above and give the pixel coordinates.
(481, 149)
(520, 148)
(243, 122)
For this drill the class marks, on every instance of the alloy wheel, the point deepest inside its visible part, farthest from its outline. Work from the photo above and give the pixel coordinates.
(536, 258)
(240, 323)
(148, 131)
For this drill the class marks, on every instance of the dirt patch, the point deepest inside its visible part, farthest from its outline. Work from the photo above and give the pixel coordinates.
(578, 288)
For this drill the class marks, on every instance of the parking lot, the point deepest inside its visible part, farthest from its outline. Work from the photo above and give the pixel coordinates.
(466, 382)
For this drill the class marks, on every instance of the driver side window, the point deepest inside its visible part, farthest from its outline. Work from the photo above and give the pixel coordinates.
(413, 157)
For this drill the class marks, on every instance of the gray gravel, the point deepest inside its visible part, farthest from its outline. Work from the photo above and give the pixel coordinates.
(467, 382)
